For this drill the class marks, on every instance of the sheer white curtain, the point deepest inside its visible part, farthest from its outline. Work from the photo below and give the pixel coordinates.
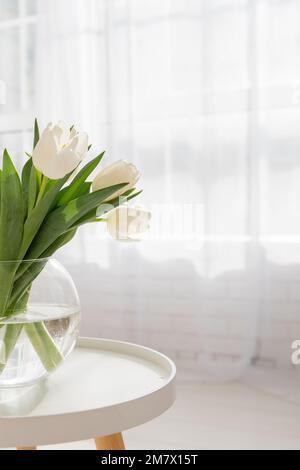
(203, 95)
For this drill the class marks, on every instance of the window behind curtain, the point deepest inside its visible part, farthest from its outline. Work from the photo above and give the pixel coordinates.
(17, 33)
(203, 95)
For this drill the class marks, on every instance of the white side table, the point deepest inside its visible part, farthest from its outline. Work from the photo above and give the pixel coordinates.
(103, 388)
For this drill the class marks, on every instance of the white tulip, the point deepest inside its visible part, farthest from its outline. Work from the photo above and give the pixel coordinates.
(124, 223)
(59, 150)
(119, 172)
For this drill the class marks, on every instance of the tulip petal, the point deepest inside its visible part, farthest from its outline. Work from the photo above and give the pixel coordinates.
(124, 222)
(44, 151)
(59, 150)
(62, 133)
(67, 160)
(82, 144)
(119, 172)
(73, 132)
(79, 144)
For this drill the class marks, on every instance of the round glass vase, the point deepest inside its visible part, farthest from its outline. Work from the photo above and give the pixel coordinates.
(39, 319)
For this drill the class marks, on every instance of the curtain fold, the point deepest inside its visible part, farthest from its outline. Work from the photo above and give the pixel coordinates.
(202, 95)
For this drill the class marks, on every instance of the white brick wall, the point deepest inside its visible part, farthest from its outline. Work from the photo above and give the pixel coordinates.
(294, 291)
(235, 318)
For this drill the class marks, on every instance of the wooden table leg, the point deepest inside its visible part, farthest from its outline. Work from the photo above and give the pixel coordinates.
(26, 448)
(112, 442)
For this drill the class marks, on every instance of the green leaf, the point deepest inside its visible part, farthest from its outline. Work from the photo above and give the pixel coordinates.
(63, 218)
(36, 134)
(33, 189)
(59, 243)
(89, 217)
(132, 196)
(83, 189)
(73, 190)
(0, 193)
(30, 186)
(11, 226)
(36, 138)
(118, 201)
(93, 215)
(25, 183)
(32, 270)
(127, 196)
(38, 214)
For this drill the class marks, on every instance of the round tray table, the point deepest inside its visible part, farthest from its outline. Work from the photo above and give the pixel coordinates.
(103, 388)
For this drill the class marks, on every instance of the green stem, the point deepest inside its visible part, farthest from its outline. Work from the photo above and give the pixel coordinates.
(44, 345)
(12, 332)
(37, 332)
(10, 339)
(42, 188)
(38, 335)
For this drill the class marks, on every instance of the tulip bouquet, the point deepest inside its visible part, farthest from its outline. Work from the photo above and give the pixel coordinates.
(42, 210)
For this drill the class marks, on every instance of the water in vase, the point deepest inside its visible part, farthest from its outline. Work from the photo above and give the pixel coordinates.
(34, 343)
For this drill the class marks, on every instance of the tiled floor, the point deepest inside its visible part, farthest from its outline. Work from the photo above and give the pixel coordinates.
(214, 416)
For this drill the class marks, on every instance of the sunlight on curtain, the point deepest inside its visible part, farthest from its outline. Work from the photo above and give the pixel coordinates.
(203, 96)
(17, 59)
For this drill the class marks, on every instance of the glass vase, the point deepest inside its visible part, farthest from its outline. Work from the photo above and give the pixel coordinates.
(39, 319)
